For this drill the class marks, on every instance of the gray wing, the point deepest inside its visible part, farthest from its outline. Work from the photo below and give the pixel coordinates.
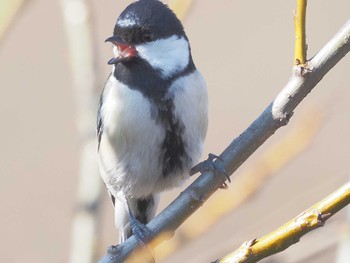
(99, 120)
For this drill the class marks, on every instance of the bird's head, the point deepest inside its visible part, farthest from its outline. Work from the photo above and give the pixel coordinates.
(150, 31)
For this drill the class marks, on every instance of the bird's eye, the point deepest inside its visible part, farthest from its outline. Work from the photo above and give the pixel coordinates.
(148, 37)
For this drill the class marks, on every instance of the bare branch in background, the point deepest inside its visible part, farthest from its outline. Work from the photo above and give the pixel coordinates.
(276, 115)
(81, 51)
(291, 232)
(8, 11)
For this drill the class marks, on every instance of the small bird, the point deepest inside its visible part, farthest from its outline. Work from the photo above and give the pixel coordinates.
(152, 118)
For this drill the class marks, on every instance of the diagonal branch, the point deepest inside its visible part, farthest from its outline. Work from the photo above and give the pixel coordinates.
(248, 182)
(276, 115)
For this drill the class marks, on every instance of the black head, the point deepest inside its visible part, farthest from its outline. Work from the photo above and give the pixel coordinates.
(147, 20)
(141, 22)
(149, 43)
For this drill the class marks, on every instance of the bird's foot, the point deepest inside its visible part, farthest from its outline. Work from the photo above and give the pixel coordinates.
(143, 235)
(211, 165)
(141, 232)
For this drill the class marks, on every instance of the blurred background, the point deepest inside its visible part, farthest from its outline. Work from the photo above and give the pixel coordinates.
(53, 66)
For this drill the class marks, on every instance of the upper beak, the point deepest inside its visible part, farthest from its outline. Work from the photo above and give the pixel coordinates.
(115, 39)
(126, 51)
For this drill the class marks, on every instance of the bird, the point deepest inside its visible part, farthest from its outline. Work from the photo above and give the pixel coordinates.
(152, 117)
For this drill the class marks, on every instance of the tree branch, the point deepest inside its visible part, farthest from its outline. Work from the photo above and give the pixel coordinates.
(248, 182)
(276, 115)
(291, 232)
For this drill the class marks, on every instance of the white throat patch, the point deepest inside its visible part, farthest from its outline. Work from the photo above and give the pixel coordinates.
(169, 55)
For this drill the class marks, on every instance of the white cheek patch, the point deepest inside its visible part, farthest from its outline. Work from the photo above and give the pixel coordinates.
(169, 55)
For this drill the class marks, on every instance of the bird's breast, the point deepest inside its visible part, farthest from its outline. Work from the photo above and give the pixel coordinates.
(149, 145)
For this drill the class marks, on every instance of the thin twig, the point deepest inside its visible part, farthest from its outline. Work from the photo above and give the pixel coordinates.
(300, 33)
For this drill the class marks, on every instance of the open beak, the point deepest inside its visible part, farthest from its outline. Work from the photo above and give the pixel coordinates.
(126, 52)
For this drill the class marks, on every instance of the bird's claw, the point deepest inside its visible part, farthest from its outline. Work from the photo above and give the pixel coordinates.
(141, 232)
(211, 165)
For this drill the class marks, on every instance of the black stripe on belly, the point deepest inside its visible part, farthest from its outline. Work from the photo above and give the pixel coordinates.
(143, 208)
(139, 75)
(172, 148)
